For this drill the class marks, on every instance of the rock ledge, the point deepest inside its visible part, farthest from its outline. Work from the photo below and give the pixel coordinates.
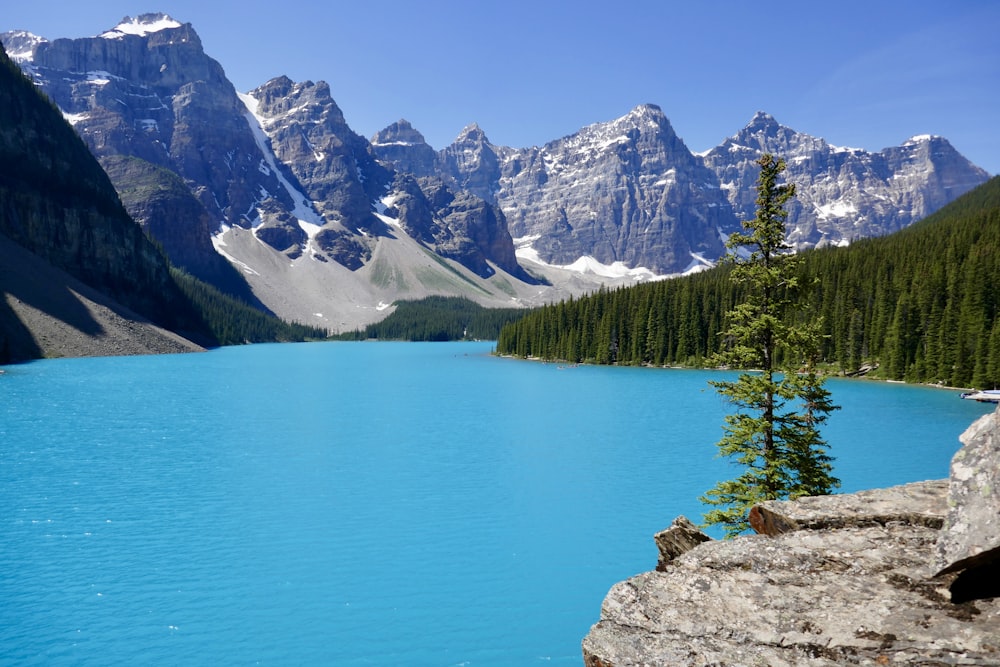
(847, 579)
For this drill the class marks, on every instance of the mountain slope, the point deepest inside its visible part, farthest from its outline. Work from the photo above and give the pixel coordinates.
(57, 203)
(77, 274)
(45, 312)
(917, 305)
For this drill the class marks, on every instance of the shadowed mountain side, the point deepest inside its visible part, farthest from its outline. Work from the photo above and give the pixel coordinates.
(45, 312)
(166, 209)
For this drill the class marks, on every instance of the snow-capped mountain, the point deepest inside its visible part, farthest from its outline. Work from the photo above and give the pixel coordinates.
(629, 190)
(270, 180)
(843, 194)
(327, 227)
(626, 193)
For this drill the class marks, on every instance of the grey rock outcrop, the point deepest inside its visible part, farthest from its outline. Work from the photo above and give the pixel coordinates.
(971, 535)
(845, 579)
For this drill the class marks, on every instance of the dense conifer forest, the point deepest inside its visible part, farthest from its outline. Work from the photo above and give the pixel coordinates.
(438, 318)
(919, 305)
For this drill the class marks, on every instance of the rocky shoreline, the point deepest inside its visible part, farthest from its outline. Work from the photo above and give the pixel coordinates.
(904, 575)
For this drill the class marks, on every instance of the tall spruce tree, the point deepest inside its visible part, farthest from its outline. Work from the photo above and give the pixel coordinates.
(781, 402)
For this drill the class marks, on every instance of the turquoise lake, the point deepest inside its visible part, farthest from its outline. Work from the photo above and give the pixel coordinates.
(367, 503)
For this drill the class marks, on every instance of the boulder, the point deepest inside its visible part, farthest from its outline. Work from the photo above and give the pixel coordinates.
(679, 538)
(971, 535)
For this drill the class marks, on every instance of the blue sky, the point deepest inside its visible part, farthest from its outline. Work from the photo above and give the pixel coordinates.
(863, 74)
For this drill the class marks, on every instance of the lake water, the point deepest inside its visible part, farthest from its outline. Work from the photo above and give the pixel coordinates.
(367, 503)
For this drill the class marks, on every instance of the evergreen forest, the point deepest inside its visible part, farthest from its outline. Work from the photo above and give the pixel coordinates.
(919, 305)
(438, 318)
(233, 322)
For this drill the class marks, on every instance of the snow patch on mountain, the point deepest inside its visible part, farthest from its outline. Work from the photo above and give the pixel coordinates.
(142, 25)
(587, 265)
(836, 209)
(304, 210)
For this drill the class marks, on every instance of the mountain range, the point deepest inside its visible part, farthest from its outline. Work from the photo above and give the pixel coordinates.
(270, 195)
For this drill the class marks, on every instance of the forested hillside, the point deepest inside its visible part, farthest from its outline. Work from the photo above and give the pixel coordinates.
(921, 305)
(439, 318)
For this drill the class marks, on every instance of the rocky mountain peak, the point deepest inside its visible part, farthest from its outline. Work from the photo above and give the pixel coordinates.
(471, 160)
(403, 148)
(764, 133)
(626, 190)
(843, 194)
(281, 95)
(762, 120)
(471, 134)
(20, 44)
(401, 133)
(647, 113)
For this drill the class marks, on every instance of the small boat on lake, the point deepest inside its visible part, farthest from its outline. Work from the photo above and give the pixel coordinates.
(984, 396)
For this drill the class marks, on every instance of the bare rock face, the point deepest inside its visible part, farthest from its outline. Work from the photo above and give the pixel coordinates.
(845, 579)
(405, 149)
(333, 164)
(970, 541)
(679, 538)
(843, 194)
(625, 191)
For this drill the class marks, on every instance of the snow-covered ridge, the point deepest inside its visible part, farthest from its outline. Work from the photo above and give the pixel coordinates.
(142, 25)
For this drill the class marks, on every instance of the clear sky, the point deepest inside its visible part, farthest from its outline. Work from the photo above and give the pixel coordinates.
(867, 74)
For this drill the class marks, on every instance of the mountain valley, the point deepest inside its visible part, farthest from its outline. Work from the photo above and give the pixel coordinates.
(270, 195)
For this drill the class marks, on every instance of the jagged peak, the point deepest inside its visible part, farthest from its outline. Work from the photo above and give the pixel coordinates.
(763, 124)
(141, 25)
(472, 132)
(401, 132)
(642, 115)
(762, 119)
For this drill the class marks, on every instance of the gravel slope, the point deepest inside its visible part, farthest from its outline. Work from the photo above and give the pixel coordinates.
(44, 312)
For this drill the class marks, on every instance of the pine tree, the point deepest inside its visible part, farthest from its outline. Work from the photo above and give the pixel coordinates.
(774, 432)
